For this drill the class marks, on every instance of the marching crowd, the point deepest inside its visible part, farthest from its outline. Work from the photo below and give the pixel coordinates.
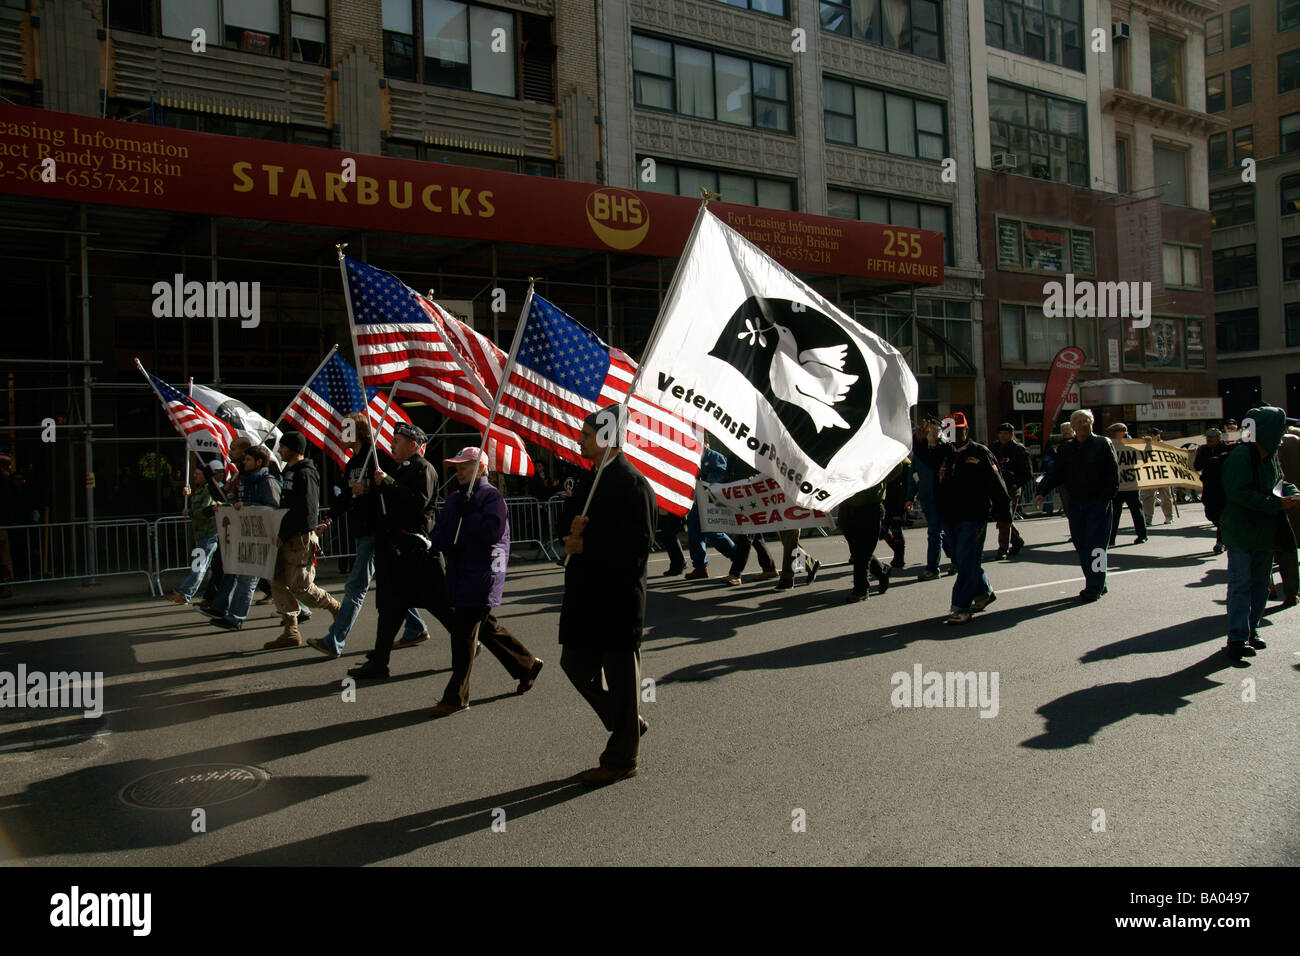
(451, 560)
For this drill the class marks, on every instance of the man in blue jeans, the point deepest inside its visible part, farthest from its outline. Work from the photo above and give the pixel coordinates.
(1088, 467)
(713, 469)
(357, 499)
(968, 489)
(924, 496)
(1256, 494)
(256, 487)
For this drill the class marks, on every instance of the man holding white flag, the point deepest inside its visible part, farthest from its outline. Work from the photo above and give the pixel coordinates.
(782, 377)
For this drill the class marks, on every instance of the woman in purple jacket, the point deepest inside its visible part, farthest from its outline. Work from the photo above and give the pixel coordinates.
(473, 532)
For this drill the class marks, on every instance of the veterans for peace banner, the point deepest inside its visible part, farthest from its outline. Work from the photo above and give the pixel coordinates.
(1155, 465)
(789, 383)
(752, 506)
(246, 536)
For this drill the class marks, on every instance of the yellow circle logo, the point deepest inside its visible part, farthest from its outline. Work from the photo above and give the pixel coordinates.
(618, 218)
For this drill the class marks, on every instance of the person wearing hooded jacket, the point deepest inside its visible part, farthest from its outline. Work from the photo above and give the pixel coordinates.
(1252, 475)
(473, 531)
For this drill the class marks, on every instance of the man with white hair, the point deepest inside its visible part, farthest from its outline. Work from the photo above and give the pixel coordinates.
(1088, 468)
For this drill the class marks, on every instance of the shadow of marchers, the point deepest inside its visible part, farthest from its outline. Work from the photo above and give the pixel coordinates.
(385, 839)
(1077, 717)
(1172, 638)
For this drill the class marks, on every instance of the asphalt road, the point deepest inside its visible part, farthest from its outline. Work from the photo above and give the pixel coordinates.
(1120, 737)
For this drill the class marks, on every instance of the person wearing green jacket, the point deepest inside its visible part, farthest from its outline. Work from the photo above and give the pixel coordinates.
(1256, 492)
(203, 523)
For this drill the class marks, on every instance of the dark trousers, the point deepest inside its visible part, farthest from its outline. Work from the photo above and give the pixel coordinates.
(615, 703)
(214, 578)
(861, 528)
(477, 623)
(1009, 537)
(744, 543)
(1089, 530)
(1134, 502)
(670, 526)
(406, 582)
(893, 526)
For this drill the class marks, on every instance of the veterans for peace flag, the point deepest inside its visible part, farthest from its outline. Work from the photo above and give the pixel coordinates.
(788, 382)
(204, 432)
(402, 336)
(560, 372)
(320, 408)
(246, 422)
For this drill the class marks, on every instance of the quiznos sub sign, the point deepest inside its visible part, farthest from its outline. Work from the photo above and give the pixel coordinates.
(748, 507)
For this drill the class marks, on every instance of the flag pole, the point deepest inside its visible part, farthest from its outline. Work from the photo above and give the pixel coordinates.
(187, 450)
(279, 418)
(158, 395)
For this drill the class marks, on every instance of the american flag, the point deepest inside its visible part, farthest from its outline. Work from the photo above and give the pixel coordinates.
(321, 405)
(401, 335)
(562, 373)
(204, 432)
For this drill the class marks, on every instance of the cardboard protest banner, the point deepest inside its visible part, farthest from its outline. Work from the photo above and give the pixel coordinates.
(752, 506)
(1155, 465)
(246, 536)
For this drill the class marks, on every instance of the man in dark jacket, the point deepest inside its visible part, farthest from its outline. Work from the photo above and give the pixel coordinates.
(1257, 493)
(968, 489)
(1117, 433)
(1089, 469)
(1013, 461)
(1209, 462)
(294, 580)
(604, 591)
(473, 531)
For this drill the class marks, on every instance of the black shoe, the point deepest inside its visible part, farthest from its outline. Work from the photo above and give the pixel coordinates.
(952, 569)
(812, 569)
(884, 580)
(1015, 548)
(210, 612)
(854, 597)
(983, 602)
(226, 624)
(369, 671)
(673, 572)
(1256, 643)
(898, 563)
(1239, 649)
(644, 726)
(1141, 540)
(1087, 595)
(304, 616)
(1001, 556)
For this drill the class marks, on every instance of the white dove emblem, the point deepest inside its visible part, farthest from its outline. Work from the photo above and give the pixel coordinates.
(813, 379)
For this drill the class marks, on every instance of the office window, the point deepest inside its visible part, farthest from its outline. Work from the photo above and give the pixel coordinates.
(1051, 31)
(888, 122)
(1239, 27)
(1166, 68)
(1041, 247)
(1171, 175)
(1291, 259)
(458, 45)
(1218, 151)
(310, 37)
(399, 40)
(252, 25)
(1289, 130)
(1182, 265)
(1288, 15)
(1292, 326)
(1121, 165)
(1234, 269)
(1291, 194)
(911, 26)
(1232, 207)
(1241, 87)
(1031, 338)
(1214, 94)
(133, 15)
(1237, 331)
(951, 320)
(1288, 71)
(774, 7)
(1214, 35)
(716, 86)
(678, 180)
(1051, 134)
(894, 212)
(1243, 144)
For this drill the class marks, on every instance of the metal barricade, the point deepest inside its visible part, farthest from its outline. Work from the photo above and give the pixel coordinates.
(121, 547)
(173, 543)
(77, 550)
(529, 525)
(553, 512)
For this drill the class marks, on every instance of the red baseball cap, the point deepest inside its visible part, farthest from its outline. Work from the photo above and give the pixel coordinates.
(959, 419)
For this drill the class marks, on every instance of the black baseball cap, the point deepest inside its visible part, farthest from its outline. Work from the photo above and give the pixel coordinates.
(1007, 427)
(413, 432)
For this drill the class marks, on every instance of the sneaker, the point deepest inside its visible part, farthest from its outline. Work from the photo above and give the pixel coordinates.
(812, 569)
(884, 580)
(698, 574)
(983, 602)
(767, 575)
(733, 579)
(854, 597)
(330, 650)
(226, 623)
(673, 572)
(958, 617)
(369, 671)
(927, 575)
(411, 642)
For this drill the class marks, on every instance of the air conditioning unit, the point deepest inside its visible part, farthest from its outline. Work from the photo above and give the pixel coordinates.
(1004, 162)
(1119, 31)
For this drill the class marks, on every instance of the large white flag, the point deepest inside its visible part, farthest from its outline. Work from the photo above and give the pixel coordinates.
(783, 378)
(246, 422)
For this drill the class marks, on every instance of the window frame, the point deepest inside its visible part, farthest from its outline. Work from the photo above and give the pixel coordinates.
(845, 7)
(1023, 13)
(1184, 248)
(1215, 34)
(1293, 180)
(717, 172)
(1071, 231)
(1234, 254)
(282, 41)
(1073, 337)
(858, 196)
(1293, 68)
(1030, 131)
(1291, 324)
(917, 132)
(1233, 43)
(1234, 202)
(1222, 323)
(1282, 6)
(1223, 94)
(1283, 134)
(1217, 139)
(419, 52)
(1238, 153)
(1291, 246)
(1180, 73)
(1243, 70)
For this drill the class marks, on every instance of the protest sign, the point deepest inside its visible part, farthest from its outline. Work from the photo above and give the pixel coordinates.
(752, 506)
(1155, 465)
(247, 539)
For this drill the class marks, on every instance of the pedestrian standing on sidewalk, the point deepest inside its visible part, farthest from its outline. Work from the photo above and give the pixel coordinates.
(203, 526)
(1252, 475)
(1089, 468)
(1013, 460)
(1117, 433)
(969, 489)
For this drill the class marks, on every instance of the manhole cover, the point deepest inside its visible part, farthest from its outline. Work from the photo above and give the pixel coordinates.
(200, 785)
